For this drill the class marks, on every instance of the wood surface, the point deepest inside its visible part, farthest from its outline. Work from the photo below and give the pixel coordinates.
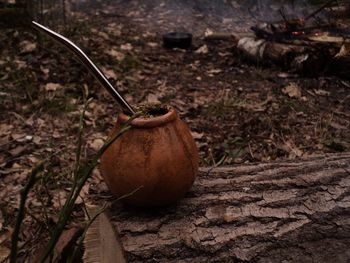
(286, 211)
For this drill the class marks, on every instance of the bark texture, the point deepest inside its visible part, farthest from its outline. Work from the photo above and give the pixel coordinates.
(290, 211)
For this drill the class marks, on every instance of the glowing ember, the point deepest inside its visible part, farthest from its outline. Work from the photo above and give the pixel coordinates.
(298, 33)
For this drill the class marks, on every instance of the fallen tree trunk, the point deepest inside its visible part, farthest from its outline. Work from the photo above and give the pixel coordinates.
(305, 58)
(290, 211)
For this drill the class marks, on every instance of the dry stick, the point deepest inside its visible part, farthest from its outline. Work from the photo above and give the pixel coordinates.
(21, 211)
(84, 172)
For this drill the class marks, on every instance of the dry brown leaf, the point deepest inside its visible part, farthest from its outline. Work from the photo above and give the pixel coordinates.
(19, 137)
(152, 99)
(152, 44)
(53, 86)
(109, 73)
(27, 46)
(114, 29)
(4, 252)
(104, 35)
(6, 129)
(202, 50)
(293, 90)
(116, 54)
(208, 32)
(84, 191)
(344, 51)
(59, 198)
(33, 159)
(214, 71)
(197, 135)
(126, 47)
(293, 150)
(133, 14)
(20, 63)
(321, 92)
(45, 71)
(337, 126)
(18, 150)
(56, 134)
(96, 144)
(36, 140)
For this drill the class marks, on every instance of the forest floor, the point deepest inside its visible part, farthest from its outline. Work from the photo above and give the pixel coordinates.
(238, 112)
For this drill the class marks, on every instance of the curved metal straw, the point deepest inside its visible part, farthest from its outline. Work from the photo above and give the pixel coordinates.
(86, 61)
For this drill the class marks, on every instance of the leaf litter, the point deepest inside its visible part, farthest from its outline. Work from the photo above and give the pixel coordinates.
(237, 112)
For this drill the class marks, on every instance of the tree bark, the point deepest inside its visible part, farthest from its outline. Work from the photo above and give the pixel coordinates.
(289, 211)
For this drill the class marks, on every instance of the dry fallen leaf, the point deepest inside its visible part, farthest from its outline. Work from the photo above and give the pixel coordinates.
(116, 54)
(321, 92)
(59, 199)
(227, 20)
(338, 126)
(126, 47)
(114, 29)
(293, 90)
(152, 44)
(104, 35)
(19, 137)
(293, 149)
(214, 71)
(208, 32)
(83, 193)
(6, 129)
(109, 73)
(202, 50)
(18, 150)
(197, 135)
(27, 46)
(344, 51)
(52, 86)
(152, 99)
(4, 252)
(96, 144)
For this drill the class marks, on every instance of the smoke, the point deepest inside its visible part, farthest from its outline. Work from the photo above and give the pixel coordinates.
(196, 16)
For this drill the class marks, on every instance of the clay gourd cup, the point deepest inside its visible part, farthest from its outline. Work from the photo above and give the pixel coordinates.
(157, 154)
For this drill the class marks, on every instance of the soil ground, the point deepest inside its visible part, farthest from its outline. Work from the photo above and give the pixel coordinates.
(238, 112)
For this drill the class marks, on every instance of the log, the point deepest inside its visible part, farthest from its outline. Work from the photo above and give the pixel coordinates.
(306, 58)
(220, 36)
(287, 211)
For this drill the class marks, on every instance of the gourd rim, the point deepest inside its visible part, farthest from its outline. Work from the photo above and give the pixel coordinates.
(156, 121)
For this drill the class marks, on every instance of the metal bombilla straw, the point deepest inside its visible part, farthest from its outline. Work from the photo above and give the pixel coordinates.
(86, 61)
